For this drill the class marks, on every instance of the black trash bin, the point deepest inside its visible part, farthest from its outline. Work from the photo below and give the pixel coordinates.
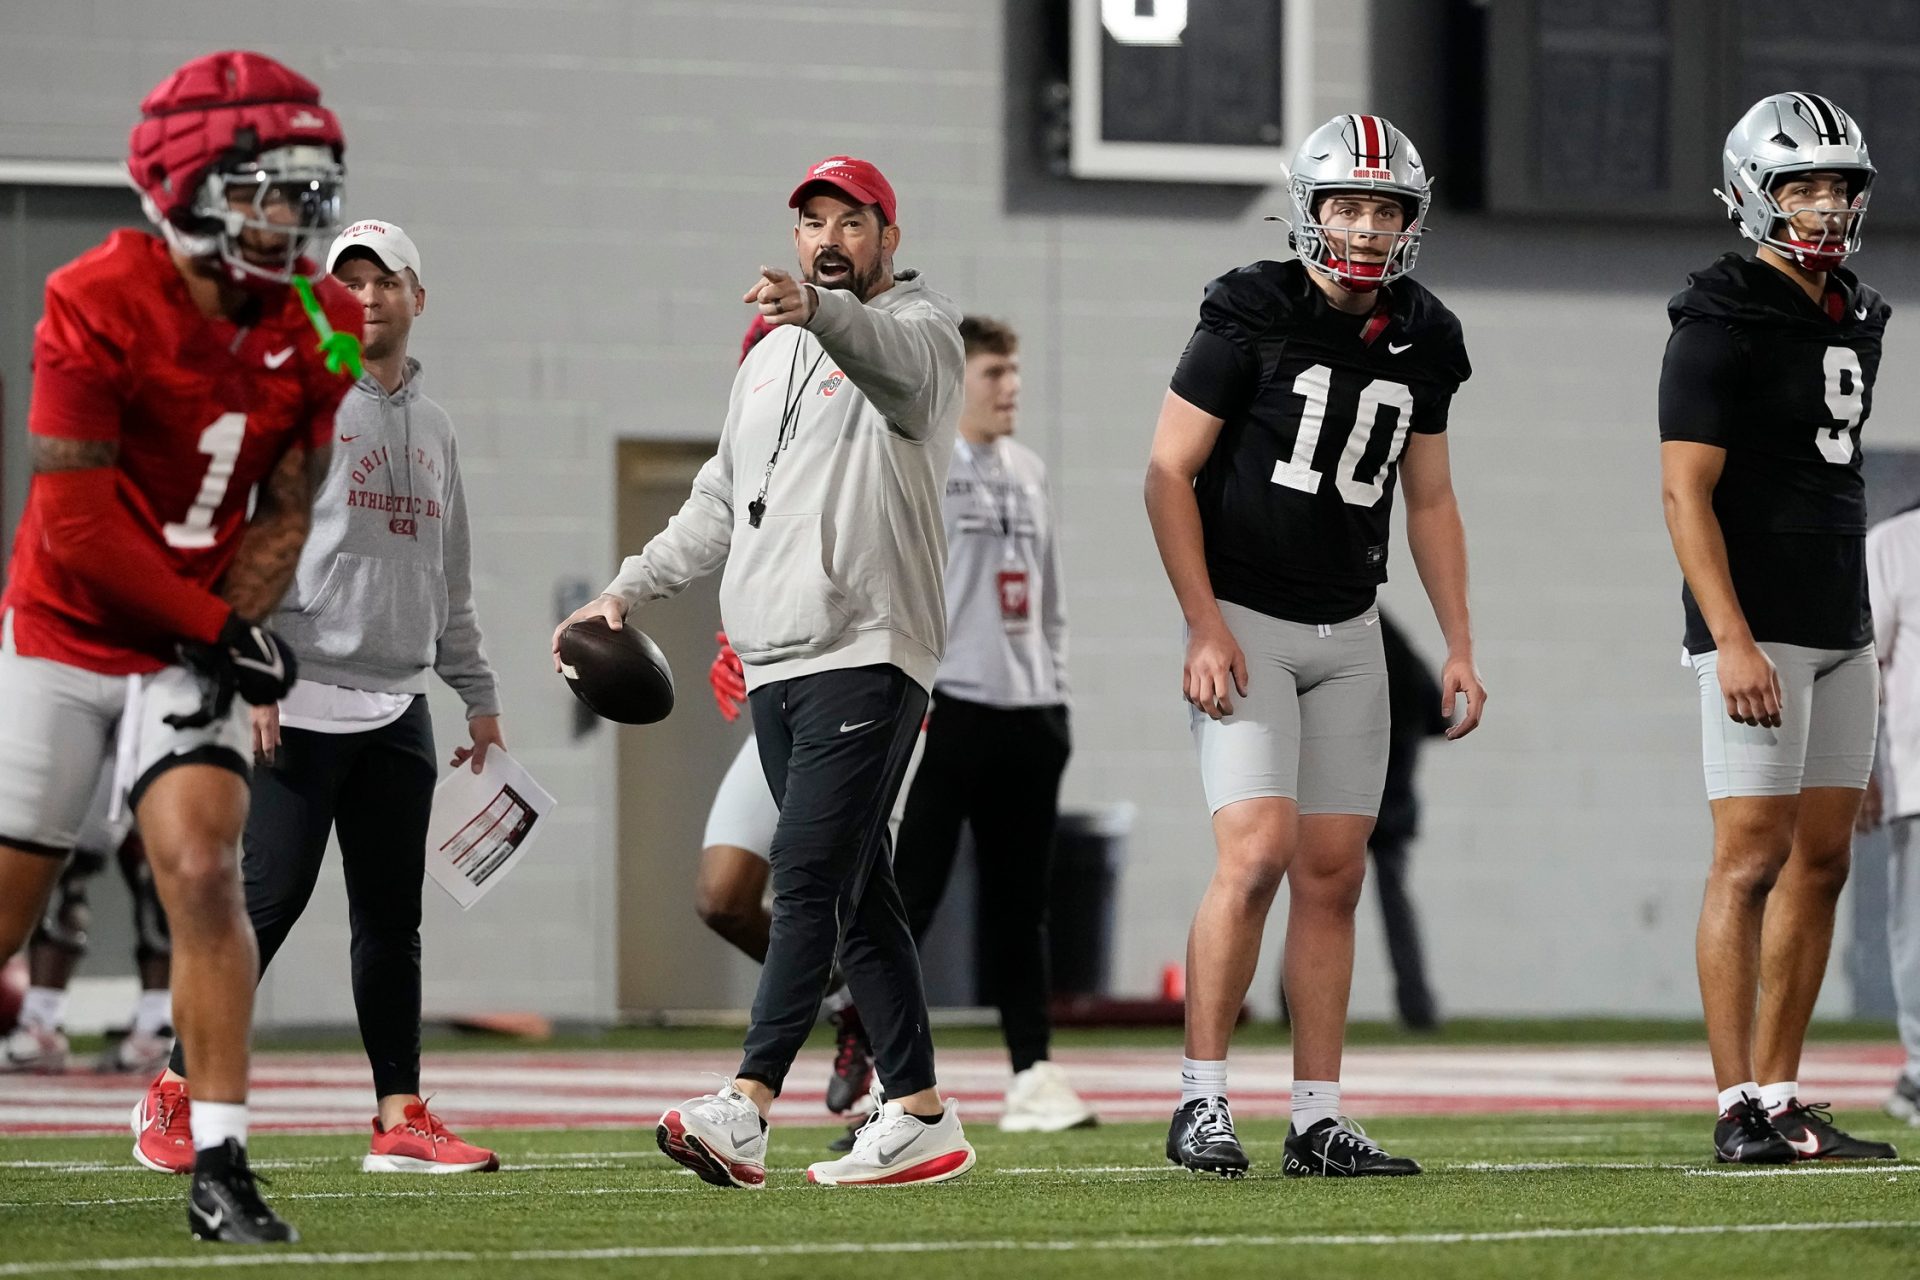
(1088, 848)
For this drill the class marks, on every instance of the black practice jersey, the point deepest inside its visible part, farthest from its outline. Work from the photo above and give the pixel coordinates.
(1296, 497)
(1783, 384)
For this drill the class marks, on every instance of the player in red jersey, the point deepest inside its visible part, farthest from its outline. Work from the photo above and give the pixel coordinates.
(174, 375)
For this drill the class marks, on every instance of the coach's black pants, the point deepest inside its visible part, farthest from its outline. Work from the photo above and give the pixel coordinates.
(377, 786)
(998, 770)
(835, 747)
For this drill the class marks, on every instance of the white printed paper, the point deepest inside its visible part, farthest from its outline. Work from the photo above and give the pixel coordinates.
(482, 825)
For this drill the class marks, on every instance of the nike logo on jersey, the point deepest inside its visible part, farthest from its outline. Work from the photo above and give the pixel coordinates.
(348, 439)
(1397, 347)
(849, 728)
(278, 358)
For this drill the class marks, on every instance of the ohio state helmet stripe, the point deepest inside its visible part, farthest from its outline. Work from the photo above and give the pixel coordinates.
(1370, 154)
(1824, 117)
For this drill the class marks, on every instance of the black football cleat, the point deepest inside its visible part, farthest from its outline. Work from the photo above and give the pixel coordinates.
(1810, 1131)
(225, 1205)
(1341, 1149)
(1201, 1139)
(852, 1061)
(1744, 1135)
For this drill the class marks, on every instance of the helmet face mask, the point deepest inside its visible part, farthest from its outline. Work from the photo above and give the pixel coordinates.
(263, 213)
(1365, 156)
(1789, 136)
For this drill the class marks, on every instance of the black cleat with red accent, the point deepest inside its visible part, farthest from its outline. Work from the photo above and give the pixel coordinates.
(1744, 1135)
(1809, 1130)
(852, 1061)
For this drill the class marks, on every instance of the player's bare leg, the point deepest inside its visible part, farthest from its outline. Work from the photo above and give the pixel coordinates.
(1256, 840)
(1797, 933)
(1752, 837)
(192, 817)
(26, 882)
(730, 895)
(1323, 892)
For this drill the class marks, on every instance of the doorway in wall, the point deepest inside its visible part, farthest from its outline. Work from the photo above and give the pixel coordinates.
(668, 772)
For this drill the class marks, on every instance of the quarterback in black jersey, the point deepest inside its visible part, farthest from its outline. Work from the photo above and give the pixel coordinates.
(1768, 377)
(1304, 388)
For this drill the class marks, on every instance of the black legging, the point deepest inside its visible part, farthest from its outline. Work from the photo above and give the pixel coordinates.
(377, 787)
(998, 770)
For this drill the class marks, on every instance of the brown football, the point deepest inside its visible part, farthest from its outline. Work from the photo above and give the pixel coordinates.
(620, 675)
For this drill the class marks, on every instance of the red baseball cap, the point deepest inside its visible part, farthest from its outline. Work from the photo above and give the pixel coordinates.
(855, 178)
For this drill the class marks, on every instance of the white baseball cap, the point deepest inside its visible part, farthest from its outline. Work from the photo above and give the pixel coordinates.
(384, 240)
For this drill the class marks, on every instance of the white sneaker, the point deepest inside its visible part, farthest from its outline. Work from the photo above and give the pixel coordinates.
(33, 1048)
(719, 1136)
(1041, 1101)
(894, 1149)
(136, 1054)
(1904, 1102)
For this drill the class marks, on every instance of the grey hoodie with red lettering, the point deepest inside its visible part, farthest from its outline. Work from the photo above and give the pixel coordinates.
(384, 591)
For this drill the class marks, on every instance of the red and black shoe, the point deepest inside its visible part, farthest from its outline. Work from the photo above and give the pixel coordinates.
(852, 1061)
(1809, 1129)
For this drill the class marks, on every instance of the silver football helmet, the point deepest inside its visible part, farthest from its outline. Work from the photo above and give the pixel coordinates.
(1363, 154)
(1784, 135)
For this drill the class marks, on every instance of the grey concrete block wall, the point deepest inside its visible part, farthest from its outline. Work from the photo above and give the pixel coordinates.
(592, 183)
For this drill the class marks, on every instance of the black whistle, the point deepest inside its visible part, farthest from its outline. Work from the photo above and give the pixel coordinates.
(755, 510)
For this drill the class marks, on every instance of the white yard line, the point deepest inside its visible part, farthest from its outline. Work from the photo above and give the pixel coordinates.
(1128, 1244)
(1804, 1170)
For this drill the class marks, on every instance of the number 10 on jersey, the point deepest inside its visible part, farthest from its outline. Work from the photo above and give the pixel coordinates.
(1371, 416)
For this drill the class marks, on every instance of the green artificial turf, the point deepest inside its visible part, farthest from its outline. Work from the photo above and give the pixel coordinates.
(1100, 1203)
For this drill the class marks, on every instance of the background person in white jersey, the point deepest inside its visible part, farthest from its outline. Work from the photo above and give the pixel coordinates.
(997, 737)
(1893, 795)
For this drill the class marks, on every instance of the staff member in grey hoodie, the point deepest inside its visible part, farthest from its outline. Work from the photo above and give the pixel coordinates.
(383, 592)
(823, 503)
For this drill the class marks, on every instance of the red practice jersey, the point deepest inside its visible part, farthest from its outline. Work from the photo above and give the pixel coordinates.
(203, 409)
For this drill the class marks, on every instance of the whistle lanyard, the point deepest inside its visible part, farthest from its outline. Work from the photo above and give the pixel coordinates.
(1001, 511)
(789, 427)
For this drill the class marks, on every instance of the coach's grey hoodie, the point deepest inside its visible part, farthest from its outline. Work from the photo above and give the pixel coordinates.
(845, 568)
(385, 585)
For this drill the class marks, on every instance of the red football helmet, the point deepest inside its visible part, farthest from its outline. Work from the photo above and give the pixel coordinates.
(238, 124)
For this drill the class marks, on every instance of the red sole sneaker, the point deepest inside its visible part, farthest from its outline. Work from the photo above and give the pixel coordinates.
(688, 1150)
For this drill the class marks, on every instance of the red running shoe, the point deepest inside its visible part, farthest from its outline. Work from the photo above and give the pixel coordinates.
(163, 1127)
(421, 1144)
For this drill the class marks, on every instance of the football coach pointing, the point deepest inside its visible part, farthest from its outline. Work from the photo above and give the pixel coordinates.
(823, 503)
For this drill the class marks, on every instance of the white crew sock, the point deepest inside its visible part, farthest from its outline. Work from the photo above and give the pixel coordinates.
(44, 1007)
(1730, 1096)
(1775, 1096)
(215, 1122)
(1314, 1101)
(152, 1012)
(1202, 1079)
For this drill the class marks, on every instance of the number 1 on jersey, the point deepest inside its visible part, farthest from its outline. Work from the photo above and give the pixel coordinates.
(221, 443)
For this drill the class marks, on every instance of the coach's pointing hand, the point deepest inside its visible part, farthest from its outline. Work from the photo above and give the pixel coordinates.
(781, 298)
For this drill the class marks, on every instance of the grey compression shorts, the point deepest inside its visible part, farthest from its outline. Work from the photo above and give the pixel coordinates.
(1829, 714)
(1313, 727)
(743, 814)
